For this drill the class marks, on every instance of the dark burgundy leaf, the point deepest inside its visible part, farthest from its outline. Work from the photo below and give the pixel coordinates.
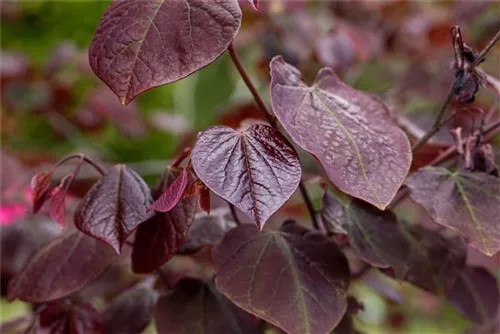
(61, 267)
(172, 195)
(57, 206)
(114, 207)
(420, 256)
(64, 316)
(132, 311)
(204, 199)
(477, 295)
(374, 234)
(351, 133)
(262, 272)
(196, 307)
(40, 186)
(462, 200)
(256, 170)
(161, 236)
(19, 241)
(141, 45)
(206, 230)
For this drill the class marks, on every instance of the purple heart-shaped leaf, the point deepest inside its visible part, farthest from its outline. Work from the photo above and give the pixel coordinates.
(144, 44)
(256, 170)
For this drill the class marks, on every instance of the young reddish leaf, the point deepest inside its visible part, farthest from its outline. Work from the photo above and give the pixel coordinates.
(64, 316)
(352, 134)
(262, 272)
(61, 267)
(161, 236)
(132, 311)
(196, 307)
(172, 195)
(57, 209)
(256, 170)
(477, 295)
(204, 199)
(141, 45)
(114, 207)
(420, 256)
(255, 4)
(40, 186)
(465, 201)
(206, 230)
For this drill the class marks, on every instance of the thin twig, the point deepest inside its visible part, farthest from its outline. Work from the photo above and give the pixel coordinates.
(490, 132)
(309, 205)
(437, 123)
(451, 93)
(272, 120)
(485, 51)
(260, 103)
(80, 156)
(235, 215)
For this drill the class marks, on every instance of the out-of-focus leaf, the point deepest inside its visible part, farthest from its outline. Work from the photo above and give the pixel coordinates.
(256, 170)
(173, 194)
(102, 104)
(114, 207)
(61, 267)
(64, 316)
(420, 256)
(465, 201)
(138, 46)
(132, 311)
(196, 307)
(477, 295)
(204, 200)
(350, 132)
(161, 236)
(262, 272)
(207, 230)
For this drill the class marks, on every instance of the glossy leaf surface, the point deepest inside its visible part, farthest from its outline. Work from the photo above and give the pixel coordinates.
(143, 44)
(132, 311)
(256, 170)
(420, 256)
(61, 267)
(114, 207)
(172, 194)
(263, 272)
(195, 307)
(465, 201)
(161, 236)
(352, 134)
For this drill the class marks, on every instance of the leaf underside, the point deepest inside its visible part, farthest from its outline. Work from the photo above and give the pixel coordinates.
(468, 202)
(352, 134)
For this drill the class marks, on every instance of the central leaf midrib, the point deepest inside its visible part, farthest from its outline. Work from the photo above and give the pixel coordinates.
(141, 41)
(477, 225)
(354, 145)
(247, 166)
